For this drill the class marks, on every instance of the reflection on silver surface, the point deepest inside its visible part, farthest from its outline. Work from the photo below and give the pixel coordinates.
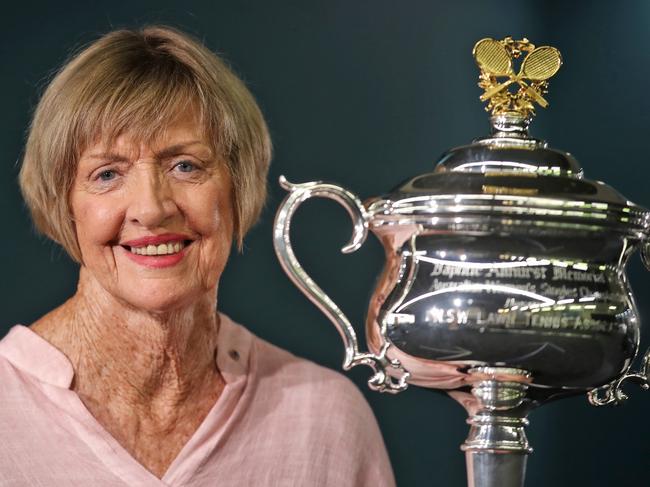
(549, 310)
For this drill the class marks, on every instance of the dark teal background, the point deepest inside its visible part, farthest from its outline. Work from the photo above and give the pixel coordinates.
(366, 93)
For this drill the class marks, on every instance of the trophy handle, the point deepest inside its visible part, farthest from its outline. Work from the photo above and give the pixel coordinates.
(645, 254)
(612, 393)
(389, 375)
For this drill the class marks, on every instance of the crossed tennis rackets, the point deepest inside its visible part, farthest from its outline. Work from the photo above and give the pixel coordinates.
(539, 65)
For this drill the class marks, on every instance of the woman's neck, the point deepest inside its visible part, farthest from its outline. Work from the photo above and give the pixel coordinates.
(148, 354)
(141, 374)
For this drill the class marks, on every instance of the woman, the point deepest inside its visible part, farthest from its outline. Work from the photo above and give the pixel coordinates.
(145, 159)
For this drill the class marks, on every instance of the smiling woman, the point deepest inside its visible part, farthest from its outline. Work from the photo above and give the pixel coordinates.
(146, 158)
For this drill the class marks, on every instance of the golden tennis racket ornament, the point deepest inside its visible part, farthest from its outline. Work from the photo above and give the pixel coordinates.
(495, 60)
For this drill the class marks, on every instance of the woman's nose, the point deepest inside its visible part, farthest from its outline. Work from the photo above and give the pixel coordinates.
(151, 201)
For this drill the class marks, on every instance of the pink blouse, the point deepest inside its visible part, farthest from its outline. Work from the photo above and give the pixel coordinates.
(281, 421)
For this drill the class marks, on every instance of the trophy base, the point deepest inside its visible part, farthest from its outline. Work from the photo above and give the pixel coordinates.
(496, 448)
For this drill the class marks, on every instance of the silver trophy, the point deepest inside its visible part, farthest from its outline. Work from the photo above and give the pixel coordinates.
(504, 282)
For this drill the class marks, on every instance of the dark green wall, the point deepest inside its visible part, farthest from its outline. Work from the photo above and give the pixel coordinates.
(366, 93)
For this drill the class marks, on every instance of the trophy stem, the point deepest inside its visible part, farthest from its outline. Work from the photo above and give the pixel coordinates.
(496, 448)
(496, 470)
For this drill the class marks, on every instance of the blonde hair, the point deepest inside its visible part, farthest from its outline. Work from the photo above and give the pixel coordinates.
(137, 81)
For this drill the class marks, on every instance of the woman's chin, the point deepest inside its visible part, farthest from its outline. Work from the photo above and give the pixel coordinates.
(160, 300)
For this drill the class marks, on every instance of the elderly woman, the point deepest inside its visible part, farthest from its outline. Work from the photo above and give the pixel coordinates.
(146, 158)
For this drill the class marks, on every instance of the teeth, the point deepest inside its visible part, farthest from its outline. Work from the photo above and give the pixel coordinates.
(162, 249)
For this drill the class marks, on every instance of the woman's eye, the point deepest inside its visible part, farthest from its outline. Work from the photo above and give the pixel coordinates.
(185, 166)
(106, 175)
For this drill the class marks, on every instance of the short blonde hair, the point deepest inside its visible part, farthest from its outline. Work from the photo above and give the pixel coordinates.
(137, 81)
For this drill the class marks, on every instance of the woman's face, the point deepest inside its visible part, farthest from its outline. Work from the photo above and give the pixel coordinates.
(154, 221)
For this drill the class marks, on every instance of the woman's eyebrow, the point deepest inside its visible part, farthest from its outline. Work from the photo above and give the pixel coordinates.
(172, 150)
(107, 156)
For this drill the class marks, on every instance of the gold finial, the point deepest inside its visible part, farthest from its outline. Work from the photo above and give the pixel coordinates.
(495, 60)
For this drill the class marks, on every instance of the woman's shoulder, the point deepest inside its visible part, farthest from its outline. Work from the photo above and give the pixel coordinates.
(278, 364)
(280, 369)
(29, 373)
(26, 355)
(309, 411)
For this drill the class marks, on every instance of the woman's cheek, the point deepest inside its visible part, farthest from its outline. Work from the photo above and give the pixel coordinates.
(98, 224)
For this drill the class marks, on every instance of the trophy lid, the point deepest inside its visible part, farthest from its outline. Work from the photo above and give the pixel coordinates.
(509, 176)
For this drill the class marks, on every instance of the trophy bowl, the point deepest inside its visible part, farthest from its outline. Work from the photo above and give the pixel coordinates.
(504, 279)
